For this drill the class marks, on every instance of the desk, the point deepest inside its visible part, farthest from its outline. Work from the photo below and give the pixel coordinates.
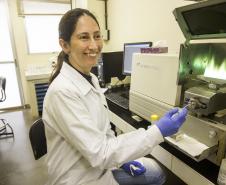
(190, 171)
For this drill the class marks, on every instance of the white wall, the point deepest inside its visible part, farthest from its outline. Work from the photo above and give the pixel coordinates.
(143, 20)
(97, 8)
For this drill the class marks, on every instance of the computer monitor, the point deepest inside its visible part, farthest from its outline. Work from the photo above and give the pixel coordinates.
(112, 65)
(129, 50)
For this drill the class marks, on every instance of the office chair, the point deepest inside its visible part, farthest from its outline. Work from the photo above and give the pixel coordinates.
(38, 139)
(6, 130)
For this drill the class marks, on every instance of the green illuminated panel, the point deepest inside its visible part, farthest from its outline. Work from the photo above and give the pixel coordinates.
(202, 59)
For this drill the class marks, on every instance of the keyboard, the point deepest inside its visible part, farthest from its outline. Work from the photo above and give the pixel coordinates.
(125, 94)
(119, 98)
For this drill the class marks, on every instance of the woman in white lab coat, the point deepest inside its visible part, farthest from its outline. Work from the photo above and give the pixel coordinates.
(82, 148)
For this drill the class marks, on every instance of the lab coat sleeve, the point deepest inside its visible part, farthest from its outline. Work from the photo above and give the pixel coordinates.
(100, 149)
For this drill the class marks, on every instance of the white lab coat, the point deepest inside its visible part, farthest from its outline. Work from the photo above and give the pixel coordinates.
(82, 148)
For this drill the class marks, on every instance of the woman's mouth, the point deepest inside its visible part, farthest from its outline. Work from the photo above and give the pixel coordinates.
(91, 54)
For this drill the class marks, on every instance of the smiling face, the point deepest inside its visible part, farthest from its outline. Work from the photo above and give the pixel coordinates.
(85, 44)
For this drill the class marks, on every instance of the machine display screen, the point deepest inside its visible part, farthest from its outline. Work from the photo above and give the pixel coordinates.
(207, 60)
(203, 20)
(206, 20)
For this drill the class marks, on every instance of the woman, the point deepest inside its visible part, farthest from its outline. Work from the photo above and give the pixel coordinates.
(82, 148)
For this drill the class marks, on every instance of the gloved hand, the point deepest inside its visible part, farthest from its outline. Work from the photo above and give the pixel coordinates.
(133, 168)
(171, 121)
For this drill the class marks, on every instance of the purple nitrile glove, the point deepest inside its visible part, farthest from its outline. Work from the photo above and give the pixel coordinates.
(170, 123)
(133, 168)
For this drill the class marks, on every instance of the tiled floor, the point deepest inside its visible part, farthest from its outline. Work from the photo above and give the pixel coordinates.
(17, 163)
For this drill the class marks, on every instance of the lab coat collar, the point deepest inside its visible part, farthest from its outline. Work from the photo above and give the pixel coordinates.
(78, 79)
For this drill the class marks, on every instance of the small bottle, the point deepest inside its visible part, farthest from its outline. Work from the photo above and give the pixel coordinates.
(154, 118)
(221, 180)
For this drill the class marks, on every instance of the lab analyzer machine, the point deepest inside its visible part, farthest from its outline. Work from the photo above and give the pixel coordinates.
(195, 78)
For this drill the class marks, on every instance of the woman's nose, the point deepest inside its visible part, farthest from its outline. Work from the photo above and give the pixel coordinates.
(93, 44)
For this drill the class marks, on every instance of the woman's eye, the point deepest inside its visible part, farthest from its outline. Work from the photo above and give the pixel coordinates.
(88, 37)
(84, 37)
(97, 37)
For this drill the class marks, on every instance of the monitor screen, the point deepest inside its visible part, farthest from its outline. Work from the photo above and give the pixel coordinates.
(112, 65)
(204, 20)
(129, 50)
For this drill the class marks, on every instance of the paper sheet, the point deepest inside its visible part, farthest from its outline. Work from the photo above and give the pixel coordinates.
(189, 145)
(104, 90)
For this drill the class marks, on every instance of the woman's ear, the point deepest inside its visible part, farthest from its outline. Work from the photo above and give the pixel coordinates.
(65, 46)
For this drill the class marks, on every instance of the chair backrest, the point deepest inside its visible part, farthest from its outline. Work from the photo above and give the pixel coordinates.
(38, 139)
(2, 88)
